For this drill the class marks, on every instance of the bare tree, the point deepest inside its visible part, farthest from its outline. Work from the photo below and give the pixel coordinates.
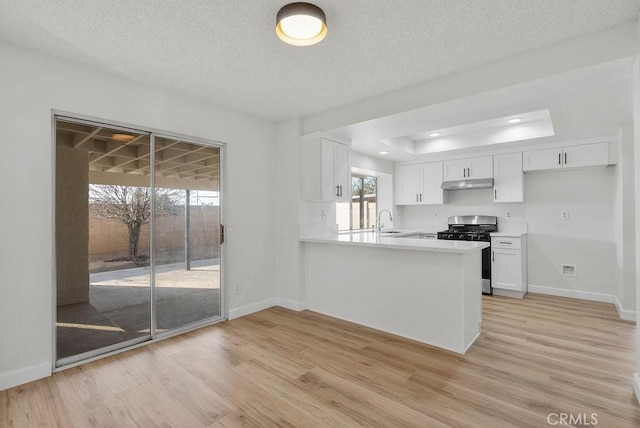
(132, 206)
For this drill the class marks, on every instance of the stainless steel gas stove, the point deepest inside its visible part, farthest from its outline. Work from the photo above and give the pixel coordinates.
(474, 228)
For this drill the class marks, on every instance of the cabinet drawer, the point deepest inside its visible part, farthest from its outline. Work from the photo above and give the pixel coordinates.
(499, 242)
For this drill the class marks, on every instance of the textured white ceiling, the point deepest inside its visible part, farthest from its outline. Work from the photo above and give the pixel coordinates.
(226, 52)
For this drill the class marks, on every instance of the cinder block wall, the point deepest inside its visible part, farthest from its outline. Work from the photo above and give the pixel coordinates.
(108, 239)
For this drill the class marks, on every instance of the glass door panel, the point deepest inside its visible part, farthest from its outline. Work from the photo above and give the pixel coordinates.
(103, 211)
(186, 233)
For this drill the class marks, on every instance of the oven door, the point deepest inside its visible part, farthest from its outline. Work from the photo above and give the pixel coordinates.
(486, 271)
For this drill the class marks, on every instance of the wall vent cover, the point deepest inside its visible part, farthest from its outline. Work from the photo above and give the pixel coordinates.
(568, 270)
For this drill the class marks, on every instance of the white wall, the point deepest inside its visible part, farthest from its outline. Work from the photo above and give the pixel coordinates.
(636, 129)
(290, 269)
(586, 240)
(624, 221)
(32, 85)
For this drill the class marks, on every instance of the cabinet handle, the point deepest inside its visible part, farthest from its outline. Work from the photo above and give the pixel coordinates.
(337, 191)
(464, 172)
(341, 190)
(420, 197)
(493, 256)
(559, 159)
(505, 242)
(565, 158)
(495, 194)
(468, 172)
(416, 197)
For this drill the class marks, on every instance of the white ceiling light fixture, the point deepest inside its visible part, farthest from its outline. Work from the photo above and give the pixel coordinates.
(435, 134)
(384, 153)
(514, 120)
(301, 24)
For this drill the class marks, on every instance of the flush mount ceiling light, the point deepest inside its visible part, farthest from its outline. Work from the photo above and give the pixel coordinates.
(122, 137)
(301, 24)
(515, 120)
(434, 134)
(384, 153)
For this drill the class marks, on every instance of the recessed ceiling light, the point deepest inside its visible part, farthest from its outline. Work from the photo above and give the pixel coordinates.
(122, 137)
(384, 153)
(515, 120)
(435, 134)
(301, 24)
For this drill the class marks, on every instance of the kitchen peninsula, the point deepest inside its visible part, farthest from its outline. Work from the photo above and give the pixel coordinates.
(422, 289)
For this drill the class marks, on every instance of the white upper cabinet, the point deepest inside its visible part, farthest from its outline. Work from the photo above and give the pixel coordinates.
(508, 178)
(585, 155)
(342, 173)
(596, 154)
(408, 184)
(538, 160)
(326, 173)
(462, 169)
(419, 184)
(432, 192)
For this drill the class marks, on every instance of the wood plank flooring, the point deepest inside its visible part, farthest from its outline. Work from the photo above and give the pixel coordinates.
(537, 356)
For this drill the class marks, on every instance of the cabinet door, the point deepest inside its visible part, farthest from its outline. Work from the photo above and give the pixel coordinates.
(507, 178)
(596, 154)
(432, 192)
(328, 173)
(455, 170)
(408, 179)
(342, 172)
(539, 160)
(480, 167)
(506, 269)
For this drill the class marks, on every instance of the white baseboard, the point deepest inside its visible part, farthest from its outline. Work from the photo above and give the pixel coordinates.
(624, 314)
(576, 294)
(22, 376)
(291, 304)
(249, 309)
(636, 386)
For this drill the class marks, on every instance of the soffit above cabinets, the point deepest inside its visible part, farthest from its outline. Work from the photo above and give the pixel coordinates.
(582, 104)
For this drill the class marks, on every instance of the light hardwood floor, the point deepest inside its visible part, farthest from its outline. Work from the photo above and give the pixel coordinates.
(537, 356)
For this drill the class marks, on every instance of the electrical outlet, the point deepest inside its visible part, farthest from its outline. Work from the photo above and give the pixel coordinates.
(508, 214)
(564, 215)
(236, 288)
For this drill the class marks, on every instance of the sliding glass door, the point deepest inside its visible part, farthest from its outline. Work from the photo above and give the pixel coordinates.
(137, 237)
(187, 233)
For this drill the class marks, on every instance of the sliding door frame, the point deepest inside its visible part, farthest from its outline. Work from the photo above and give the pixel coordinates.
(96, 354)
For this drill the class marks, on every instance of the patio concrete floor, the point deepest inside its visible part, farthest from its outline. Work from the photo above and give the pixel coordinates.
(119, 305)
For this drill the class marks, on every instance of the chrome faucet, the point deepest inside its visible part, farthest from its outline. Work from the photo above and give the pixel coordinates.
(381, 225)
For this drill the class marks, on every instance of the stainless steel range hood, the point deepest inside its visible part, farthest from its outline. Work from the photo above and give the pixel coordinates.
(480, 183)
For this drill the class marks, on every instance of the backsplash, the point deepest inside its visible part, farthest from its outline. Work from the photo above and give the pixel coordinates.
(317, 218)
(462, 202)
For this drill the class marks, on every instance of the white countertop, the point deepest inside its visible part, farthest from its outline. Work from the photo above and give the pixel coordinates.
(508, 234)
(375, 239)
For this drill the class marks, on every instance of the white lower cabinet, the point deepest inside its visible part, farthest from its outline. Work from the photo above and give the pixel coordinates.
(509, 266)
